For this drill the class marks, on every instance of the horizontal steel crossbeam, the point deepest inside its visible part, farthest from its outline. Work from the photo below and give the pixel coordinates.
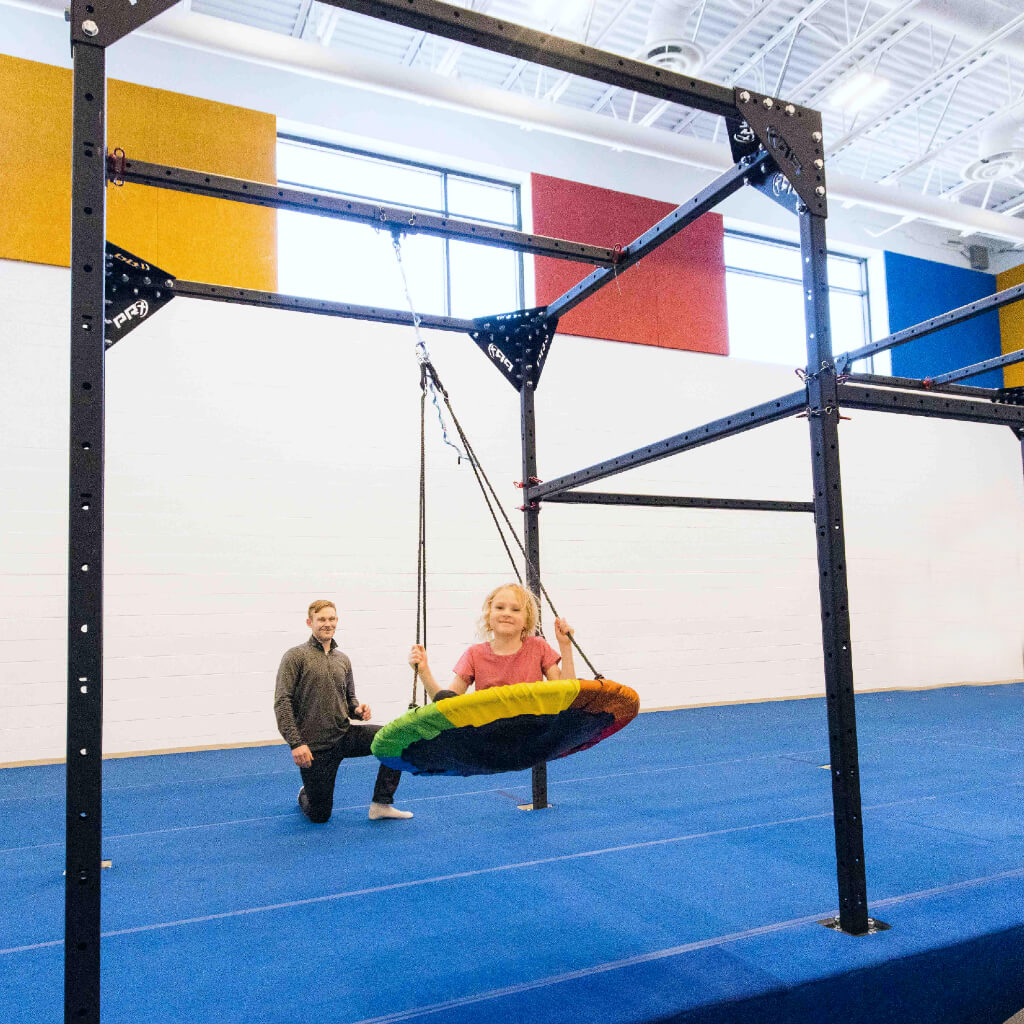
(768, 412)
(936, 323)
(673, 501)
(669, 226)
(917, 404)
(977, 368)
(376, 215)
(913, 384)
(275, 300)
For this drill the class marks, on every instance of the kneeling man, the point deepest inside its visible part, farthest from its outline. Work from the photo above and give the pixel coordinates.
(314, 699)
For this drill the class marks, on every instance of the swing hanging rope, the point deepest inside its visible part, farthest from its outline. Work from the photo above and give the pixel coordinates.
(427, 380)
(421, 549)
(482, 479)
(430, 379)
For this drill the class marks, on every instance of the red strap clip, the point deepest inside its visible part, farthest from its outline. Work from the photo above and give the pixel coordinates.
(115, 166)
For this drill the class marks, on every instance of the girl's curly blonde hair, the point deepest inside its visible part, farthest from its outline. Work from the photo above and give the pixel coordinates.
(526, 600)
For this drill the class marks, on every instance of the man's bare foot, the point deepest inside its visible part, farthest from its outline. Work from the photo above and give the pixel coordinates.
(380, 811)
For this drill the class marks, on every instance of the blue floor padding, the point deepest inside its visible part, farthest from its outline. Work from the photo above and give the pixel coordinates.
(679, 876)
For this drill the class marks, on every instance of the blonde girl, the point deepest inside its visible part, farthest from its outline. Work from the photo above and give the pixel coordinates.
(510, 651)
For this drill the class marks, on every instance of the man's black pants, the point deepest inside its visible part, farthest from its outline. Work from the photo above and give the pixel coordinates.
(318, 778)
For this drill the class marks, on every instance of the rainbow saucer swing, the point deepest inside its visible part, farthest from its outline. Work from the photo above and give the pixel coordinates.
(505, 728)
(501, 728)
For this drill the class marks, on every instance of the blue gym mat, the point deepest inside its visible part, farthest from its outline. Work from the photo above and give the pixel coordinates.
(679, 875)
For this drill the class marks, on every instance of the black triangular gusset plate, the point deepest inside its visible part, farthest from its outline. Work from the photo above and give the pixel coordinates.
(792, 135)
(767, 178)
(742, 139)
(517, 343)
(770, 181)
(135, 290)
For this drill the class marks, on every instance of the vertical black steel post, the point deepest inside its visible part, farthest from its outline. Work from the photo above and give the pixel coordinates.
(823, 420)
(531, 540)
(83, 828)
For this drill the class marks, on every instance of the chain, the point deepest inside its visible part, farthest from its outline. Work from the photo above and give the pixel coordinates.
(422, 354)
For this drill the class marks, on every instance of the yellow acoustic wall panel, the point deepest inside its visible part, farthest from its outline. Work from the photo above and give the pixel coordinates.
(1011, 326)
(35, 162)
(194, 237)
(191, 237)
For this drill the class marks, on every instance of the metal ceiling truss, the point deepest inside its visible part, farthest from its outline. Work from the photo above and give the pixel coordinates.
(302, 19)
(807, 89)
(807, 51)
(789, 32)
(950, 73)
(554, 94)
(480, 30)
(778, 138)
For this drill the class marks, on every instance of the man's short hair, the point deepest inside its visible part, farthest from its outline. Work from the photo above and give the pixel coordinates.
(319, 606)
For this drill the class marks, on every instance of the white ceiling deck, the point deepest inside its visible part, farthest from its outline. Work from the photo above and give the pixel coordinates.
(950, 125)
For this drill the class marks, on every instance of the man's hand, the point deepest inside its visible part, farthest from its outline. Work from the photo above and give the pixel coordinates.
(362, 712)
(302, 756)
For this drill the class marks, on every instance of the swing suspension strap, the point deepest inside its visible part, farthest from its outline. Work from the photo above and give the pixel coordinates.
(429, 379)
(492, 501)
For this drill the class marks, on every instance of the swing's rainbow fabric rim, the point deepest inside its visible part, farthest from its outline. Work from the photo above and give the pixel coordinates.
(506, 728)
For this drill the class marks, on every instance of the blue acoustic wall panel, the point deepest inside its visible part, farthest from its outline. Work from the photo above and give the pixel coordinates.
(920, 289)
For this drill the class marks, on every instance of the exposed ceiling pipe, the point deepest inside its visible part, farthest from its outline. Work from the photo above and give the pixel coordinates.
(953, 71)
(998, 156)
(214, 35)
(666, 45)
(967, 220)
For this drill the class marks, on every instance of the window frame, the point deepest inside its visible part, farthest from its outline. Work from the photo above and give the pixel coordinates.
(864, 292)
(444, 173)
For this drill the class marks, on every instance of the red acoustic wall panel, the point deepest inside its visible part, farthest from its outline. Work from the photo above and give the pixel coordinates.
(673, 298)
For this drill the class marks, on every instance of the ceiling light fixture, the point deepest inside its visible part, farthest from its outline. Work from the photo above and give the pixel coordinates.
(859, 92)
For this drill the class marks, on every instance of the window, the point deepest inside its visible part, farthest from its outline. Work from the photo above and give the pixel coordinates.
(764, 293)
(327, 258)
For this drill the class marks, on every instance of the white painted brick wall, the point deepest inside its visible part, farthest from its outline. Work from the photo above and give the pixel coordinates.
(258, 459)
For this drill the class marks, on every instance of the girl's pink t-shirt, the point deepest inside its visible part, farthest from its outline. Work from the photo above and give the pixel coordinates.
(485, 669)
